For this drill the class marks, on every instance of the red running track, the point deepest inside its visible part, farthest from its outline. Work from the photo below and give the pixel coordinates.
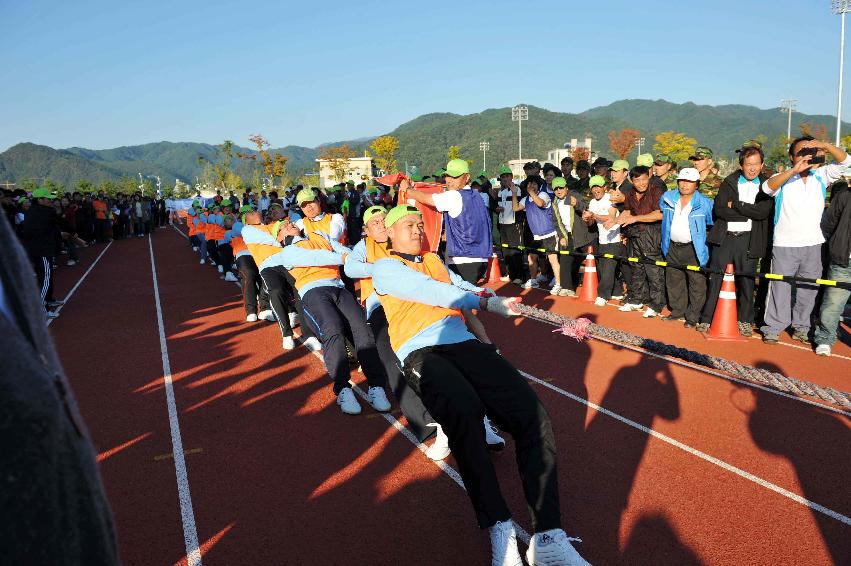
(667, 466)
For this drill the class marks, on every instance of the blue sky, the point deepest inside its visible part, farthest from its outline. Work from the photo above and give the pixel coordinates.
(101, 74)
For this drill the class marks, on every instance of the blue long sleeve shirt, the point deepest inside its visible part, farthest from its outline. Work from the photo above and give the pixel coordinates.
(294, 256)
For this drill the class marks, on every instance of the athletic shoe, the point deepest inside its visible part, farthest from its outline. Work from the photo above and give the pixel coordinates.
(220, 268)
(567, 293)
(745, 329)
(440, 449)
(376, 397)
(672, 318)
(688, 324)
(553, 547)
(770, 338)
(504, 545)
(71, 263)
(266, 315)
(505, 278)
(518, 281)
(801, 336)
(617, 297)
(194, 248)
(649, 313)
(630, 307)
(230, 277)
(702, 327)
(251, 318)
(51, 314)
(313, 344)
(202, 262)
(288, 343)
(347, 401)
(495, 441)
(53, 304)
(556, 289)
(823, 350)
(530, 284)
(294, 321)
(600, 302)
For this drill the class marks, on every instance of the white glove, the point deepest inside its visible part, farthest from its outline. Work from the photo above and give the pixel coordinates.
(503, 306)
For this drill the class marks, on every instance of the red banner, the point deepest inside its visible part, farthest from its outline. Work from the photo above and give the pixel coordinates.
(432, 219)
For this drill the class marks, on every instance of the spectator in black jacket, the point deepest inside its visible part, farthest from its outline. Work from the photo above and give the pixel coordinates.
(739, 236)
(836, 226)
(39, 232)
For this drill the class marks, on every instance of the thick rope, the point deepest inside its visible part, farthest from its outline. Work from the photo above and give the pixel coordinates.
(577, 328)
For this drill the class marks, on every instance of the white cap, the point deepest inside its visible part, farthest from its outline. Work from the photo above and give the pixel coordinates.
(688, 174)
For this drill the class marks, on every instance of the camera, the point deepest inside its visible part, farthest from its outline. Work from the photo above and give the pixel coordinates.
(815, 159)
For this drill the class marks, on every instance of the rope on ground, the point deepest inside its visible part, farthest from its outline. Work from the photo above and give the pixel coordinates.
(763, 377)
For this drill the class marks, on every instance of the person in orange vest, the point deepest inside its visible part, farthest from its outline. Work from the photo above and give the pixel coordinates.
(224, 247)
(330, 309)
(101, 209)
(315, 220)
(460, 378)
(252, 288)
(196, 219)
(359, 265)
(215, 231)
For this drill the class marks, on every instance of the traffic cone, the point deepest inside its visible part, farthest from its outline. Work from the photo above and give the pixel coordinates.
(494, 274)
(589, 279)
(726, 318)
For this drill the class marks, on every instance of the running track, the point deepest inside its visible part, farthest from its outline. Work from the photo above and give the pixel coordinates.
(659, 463)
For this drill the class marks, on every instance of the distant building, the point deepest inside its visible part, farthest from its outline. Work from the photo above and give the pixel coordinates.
(554, 156)
(358, 170)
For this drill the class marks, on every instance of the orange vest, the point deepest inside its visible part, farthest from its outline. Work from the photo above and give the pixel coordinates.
(191, 225)
(374, 252)
(406, 319)
(100, 207)
(237, 244)
(305, 275)
(214, 231)
(322, 225)
(202, 226)
(261, 252)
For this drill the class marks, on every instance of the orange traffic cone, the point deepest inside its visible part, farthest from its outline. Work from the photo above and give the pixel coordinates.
(589, 279)
(725, 320)
(494, 275)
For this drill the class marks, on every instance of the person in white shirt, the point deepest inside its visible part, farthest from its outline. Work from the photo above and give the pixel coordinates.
(510, 230)
(602, 212)
(799, 196)
(263, 204)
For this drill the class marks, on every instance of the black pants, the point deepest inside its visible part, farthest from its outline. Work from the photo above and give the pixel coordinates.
(252, 287)
(101, 229)
(647, 285)
(213, 251)
(566, 264)
(281, 296)
(734, 249)
(331, 311)
(512, 235)
(43, 266)
(470, 272)
(459, 383)
(606, 269)
(410, 403)
(225, 256)
(686, 288)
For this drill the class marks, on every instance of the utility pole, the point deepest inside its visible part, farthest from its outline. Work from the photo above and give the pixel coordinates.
(484, 146)
(638, 143)
(840, 7)
(518, 114)
(788, 105)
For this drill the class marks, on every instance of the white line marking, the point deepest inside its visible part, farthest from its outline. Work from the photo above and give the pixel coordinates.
(190, 534)
(74, 288)
(694, 452)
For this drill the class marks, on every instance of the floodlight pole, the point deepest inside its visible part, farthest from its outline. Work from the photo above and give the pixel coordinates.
(484, 146)
(840, 7)
(639, 142)
(788, 105)
(518, 114)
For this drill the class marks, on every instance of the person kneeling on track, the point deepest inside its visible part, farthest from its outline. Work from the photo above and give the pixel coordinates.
(459, 378)
(252, 288)
(359, 265)
(330, 310)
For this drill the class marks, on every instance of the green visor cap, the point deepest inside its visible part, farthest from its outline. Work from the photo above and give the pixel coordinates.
(305, 195)
(457, 167)
(398, 212)
(245, 208)
(504, 170)
(43, 192)
(559, 183)
(645, 160)
(372, 211)
(439, 173)
(620, 165)
(662, 158)
(196, 204)
(597, 181)
(702, 152)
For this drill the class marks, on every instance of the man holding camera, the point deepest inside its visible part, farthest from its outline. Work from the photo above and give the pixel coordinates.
(799, 196)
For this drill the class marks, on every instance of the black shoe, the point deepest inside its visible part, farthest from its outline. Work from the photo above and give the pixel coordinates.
(671, 318)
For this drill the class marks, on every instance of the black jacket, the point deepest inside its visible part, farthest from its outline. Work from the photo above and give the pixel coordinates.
(39, 231)
(761, 214)
(836, 225)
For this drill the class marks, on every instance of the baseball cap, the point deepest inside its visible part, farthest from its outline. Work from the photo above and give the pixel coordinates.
(398, 212)
(559, 183)
(688, 174)
(304, 195)
(457, 167)
(662, 158)
(504, 170)
(477, 182)
(372, 211)
(597, 181)
(439, 173)
(620, 165)
(43, 192)
(701, 152)
(245, 208)
(645, 160)
(749, 144)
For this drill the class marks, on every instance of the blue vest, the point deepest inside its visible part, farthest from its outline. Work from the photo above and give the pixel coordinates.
(540, 220)
(469, 235)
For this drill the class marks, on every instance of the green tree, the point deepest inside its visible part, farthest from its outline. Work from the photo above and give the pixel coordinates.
(54, 187)
(83, 186)
(675, 144)
(385, 148)
(28, 185)
(454, 152)
(778, 153)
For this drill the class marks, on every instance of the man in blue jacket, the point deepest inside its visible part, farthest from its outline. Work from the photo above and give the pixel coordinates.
(686, 214)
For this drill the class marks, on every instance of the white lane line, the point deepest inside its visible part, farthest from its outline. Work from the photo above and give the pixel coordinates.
(74, 288)
(190, 533)
(694, 452)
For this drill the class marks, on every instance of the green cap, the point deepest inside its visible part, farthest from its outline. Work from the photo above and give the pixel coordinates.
(559, 183)
(504, 170)
(245, 209)
(416, 178)
(305, 195)
(227, 203)
(439, 173)
(620, 165)
(702, 152)
(477, 182)
(645, 160)
(398, 212)
(43, 192)
(597, 181)
(662, 158)
(372, 211)
(196, 204)
(457, 167)
(482, 175)
(749, 144)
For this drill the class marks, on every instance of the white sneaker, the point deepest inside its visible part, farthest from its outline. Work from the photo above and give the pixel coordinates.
(230, 277)
(377, 398)
(553, 548)
(555, 290)
(220, 268)
(288, 343)
(495, 441)
(649, 313)
(530, 284)
(440, 449)
(70, 262)
(266, 315)
(347, 401)
(294, 321)
(194, 248)
(617, 297)
(202, 262)
(313, 344)
(251, 318)
(505, 278)
(504, 545)
(600, 302)
(823, 350)
(630, 307)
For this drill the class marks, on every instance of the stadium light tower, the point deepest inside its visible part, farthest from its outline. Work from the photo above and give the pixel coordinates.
(518, 114)
(638, 143)
(788, 106)
(840, 8)
(484, 146)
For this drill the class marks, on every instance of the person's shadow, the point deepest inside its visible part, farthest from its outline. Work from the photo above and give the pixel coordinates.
(815, 441)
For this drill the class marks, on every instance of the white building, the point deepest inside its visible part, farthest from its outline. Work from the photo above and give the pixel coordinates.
(554, 156)
(358, 170)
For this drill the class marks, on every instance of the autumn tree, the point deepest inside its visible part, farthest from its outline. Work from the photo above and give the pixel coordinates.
(338, 160)
(272, 164)
(580, 154)
(385, 148)
(845, 142)
(622, 143)
(818, 131)
(676, 145)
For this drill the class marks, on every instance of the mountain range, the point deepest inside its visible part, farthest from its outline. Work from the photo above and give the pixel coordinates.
(424, 141)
